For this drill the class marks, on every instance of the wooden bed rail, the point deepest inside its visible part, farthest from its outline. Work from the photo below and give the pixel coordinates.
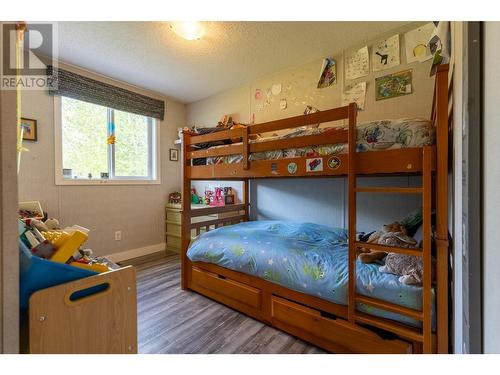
(329, 115)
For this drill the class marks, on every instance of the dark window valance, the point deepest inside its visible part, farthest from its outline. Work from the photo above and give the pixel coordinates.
(66, 83)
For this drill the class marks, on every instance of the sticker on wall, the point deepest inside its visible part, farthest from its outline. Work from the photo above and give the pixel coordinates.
(334, 163)
(274, 168)
(283, 104)
(292, 168)
(314, 165)
(276, 89)
(258, 94)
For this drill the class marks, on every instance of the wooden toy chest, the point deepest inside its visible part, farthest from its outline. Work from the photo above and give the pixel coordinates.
(96, 314)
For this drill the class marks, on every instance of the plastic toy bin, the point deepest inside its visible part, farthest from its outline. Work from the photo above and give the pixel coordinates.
(38, 273)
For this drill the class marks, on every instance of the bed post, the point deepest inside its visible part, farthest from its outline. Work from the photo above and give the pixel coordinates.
(442, 243)
(426, 249)
(246, 199)
(351, 186)
(186, 211)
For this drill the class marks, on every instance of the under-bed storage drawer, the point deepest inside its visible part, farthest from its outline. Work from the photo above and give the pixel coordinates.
(225, 290)
(336, 335)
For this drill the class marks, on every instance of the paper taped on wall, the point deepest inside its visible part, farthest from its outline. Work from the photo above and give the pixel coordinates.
(328, 75)
(386, 53)
(355, 93)
(417, 43)
(357, 63)
(393, 85)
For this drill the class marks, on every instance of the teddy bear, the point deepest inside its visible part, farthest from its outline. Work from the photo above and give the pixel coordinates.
(394, 234)
(409, 268)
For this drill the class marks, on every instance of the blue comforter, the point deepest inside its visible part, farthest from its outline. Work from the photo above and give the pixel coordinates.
(305, 257)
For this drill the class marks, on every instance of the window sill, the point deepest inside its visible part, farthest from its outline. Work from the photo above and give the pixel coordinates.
(102, 182)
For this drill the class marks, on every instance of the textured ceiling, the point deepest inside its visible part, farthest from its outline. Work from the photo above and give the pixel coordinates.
(150, 55)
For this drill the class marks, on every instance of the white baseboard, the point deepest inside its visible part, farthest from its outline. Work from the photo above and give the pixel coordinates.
(135, 253)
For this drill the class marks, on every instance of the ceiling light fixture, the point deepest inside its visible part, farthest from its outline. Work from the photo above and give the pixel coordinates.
(190, 30)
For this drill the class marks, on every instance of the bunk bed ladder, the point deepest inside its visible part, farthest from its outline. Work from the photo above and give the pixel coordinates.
(423, 336)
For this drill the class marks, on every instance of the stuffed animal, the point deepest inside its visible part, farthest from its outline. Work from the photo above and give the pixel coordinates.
(394, 234)
(52, 224)
(408, 267)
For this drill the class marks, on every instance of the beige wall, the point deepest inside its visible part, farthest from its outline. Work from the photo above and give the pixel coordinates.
(136, 210)
(322, 201)
(9, 253)
(299, 88)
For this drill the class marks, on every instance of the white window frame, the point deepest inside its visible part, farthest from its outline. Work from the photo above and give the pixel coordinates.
(154, 177)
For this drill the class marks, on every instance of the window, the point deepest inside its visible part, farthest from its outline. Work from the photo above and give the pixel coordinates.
(104, 145)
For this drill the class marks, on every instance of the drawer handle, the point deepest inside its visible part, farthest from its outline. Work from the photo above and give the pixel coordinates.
(221, 277)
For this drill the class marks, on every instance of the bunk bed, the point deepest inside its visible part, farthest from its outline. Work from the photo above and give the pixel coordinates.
(333, 325)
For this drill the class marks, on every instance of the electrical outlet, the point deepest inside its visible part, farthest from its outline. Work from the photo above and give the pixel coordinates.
(118, 235)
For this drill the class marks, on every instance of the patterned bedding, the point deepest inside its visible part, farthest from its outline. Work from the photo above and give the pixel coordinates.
(305, 257)
(372, 136)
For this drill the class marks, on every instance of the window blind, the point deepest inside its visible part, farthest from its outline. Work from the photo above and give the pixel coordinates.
(65, 83)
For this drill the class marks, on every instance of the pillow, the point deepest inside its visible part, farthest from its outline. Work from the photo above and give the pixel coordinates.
(413, 221)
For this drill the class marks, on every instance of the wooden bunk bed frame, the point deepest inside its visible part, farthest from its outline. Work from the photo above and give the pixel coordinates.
(334, 327)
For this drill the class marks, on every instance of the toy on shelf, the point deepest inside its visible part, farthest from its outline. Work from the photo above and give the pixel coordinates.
(174, 197)
(219, 196)
(195, 198)
(228, 195)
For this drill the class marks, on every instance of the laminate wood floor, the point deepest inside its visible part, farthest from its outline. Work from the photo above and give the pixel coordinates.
(171, 320)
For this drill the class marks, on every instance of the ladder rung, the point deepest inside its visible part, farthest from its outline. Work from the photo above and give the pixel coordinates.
(410, 190)
(388, 306)
(399, 329)
(389, 249)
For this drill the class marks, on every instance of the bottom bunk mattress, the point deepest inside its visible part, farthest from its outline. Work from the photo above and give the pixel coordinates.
(305, 257)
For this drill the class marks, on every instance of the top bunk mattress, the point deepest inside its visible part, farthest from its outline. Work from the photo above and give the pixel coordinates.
(377, 135)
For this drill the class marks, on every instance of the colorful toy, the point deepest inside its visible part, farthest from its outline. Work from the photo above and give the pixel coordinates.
(66, 247)
(91, 266)
(194, 197)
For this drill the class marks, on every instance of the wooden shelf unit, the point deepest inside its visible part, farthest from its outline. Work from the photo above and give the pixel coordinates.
(173, 222)
(335, 327)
